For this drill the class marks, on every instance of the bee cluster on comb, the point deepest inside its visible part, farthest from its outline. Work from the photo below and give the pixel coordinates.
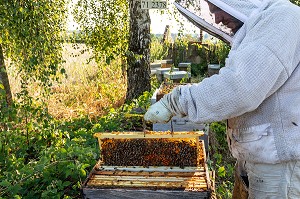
(150, 152)
(151, 149)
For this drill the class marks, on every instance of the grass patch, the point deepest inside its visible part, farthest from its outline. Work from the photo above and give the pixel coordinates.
(87, 89)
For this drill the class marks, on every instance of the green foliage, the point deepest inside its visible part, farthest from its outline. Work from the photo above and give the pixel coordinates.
(127, 117)
(214, 53)
(30, 34)
(104, 26)
(181, 45)
(158, 51)
(41, 157)
(297, 2)
(199, 69)
(221, 160)
(221, 50)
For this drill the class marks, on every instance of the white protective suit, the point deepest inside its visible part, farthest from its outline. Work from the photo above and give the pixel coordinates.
(259, 89)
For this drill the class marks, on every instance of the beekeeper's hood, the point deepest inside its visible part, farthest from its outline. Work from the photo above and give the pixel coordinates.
(240, 9)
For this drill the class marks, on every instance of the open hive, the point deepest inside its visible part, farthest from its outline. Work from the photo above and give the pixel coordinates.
(151, 161)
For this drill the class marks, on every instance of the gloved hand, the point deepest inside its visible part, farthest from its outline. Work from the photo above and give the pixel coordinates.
(158, 113)
(163, 110)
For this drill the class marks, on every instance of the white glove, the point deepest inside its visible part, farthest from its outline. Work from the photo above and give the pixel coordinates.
(163, 110)
(158, 113)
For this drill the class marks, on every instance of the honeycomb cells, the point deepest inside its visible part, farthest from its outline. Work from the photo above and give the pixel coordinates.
(149, 152)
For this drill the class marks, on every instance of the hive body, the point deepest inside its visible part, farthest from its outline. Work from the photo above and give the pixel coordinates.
(158, 162)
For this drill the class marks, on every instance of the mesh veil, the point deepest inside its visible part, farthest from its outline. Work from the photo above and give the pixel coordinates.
(200, 15)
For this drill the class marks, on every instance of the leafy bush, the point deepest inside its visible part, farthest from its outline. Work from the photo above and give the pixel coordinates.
(158, 50)
(41, 157)
(221, 160)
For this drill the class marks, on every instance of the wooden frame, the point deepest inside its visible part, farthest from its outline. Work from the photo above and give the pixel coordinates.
(168, 182)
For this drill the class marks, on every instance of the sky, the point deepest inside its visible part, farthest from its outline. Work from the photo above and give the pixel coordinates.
(158, 22)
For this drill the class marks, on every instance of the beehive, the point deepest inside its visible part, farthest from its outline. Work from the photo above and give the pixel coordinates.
(166, 63)
(160, 73)
(184, 67)
(213, 69)
(177, 76)
(152, 162)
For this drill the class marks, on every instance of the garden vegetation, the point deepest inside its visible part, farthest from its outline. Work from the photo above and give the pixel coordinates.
(54, 95)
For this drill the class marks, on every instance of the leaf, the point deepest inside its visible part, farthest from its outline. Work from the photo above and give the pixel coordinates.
(67, 183)
(221, 172)
(62, 71)
(5, 183)
(84, 166)
(82, 172)
(63, 150)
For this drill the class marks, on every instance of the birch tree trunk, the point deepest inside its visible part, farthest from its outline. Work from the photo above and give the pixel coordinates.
(138, 58)
(4, 78)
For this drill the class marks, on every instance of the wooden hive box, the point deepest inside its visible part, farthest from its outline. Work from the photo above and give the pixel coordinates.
(166, 63)
(149, 165)
(177, 76)
(184, 66)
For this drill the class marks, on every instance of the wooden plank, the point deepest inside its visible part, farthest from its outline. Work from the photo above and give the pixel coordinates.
(190, 187)
(90, 193)
(200, 186)
(149, 169)
(194, 181)
(148, 178)
(154, 173)
(209, 186)
(149, 134)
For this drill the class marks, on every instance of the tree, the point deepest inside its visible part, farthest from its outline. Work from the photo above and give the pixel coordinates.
(118, 28)
(31, 36)
(138, 57)
(103, 26)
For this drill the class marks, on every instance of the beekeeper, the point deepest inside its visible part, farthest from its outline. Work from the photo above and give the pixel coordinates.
(258, 92)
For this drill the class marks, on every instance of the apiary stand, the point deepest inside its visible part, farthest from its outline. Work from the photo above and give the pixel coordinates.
(165, 182)
(160, 73)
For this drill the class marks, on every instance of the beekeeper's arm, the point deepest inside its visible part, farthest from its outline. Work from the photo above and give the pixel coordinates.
(163, 110)
(251, 75)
